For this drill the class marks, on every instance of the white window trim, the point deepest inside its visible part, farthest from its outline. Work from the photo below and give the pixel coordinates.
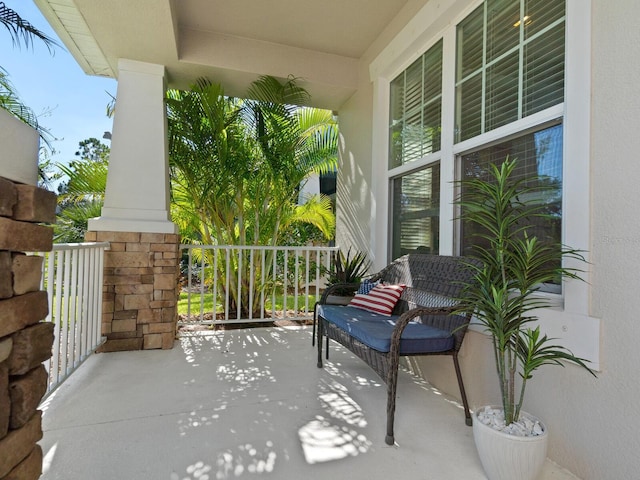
(571, 323)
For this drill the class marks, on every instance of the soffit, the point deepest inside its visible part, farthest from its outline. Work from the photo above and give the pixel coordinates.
(231, 42)
(339, 27)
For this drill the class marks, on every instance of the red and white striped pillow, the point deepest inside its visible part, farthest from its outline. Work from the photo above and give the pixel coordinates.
(380, 300)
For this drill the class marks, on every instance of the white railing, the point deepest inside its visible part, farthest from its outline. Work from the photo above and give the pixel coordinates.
(73, 277)
(235, 284)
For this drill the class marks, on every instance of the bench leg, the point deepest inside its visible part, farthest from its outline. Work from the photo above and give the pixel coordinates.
(392, 383)
(315, 319)
(465, 403)
(320, 332)
(327, 350)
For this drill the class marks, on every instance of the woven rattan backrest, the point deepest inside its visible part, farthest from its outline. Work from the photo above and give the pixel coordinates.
(431, 280)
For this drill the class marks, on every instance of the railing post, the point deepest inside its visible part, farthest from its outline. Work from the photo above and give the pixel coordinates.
(239, 291)
(83, 283)
(263, 264)
(99, 271)
(74, 303)
(202, 274)
(251, 284)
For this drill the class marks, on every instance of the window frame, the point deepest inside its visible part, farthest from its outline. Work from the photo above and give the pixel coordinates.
(574, 112)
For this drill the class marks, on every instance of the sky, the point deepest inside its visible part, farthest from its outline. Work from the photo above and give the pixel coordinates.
(70, 103)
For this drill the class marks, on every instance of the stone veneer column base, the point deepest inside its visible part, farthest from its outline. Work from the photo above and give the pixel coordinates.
(25, 336)
(140, 292)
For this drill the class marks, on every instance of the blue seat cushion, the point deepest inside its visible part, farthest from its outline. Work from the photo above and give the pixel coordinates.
(375, 330)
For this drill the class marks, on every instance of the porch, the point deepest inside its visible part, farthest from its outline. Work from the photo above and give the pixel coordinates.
(238, 403)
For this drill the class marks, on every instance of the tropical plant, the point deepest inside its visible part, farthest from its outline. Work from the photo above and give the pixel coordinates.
(513, 266)
(22, 33)
(72, 221)
(347, 269)
(81, 196)
(236, 167)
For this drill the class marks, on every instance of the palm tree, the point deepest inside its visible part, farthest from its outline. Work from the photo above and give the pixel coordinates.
(293, 142)
(81, 197)
(22, 33)
(236, 165)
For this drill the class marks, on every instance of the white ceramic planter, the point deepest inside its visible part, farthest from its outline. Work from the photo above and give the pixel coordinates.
(339, 299)
(19, 145)
(508, 457)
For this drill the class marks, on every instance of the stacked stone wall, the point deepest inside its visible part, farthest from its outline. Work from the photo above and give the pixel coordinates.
(139, 303)
(25, 340)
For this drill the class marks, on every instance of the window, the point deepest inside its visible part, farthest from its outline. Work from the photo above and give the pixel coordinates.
(537, 153)
(328, 184)
(510, 63)
(416, 212)
(415, 109)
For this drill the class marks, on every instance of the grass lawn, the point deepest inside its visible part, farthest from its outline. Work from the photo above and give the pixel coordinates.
(208, 302)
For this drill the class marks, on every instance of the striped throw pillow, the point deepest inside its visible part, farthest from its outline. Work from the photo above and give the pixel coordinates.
(366, 286)
(380, 300)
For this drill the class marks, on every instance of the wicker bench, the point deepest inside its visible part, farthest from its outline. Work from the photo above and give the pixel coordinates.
(421, 324)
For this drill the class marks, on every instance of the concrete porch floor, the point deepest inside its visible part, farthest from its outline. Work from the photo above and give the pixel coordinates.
(245, 403)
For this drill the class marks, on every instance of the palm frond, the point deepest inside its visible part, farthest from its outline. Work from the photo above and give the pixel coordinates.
(87, 180)
(72, 221)
(270, 90)
(317, 211)
(21, 31)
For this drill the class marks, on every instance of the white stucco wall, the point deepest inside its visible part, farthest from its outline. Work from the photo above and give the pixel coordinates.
(354, 205)
(358, 210)
(592, 421)
(597, 419)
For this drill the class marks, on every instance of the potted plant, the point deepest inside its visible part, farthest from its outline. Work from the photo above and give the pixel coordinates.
(348, 271)
(514, 265)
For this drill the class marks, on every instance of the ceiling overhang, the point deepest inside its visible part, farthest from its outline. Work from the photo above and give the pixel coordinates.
(232, 43)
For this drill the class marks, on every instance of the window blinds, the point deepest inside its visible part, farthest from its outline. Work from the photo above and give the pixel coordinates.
(415, 109)
(510, 63)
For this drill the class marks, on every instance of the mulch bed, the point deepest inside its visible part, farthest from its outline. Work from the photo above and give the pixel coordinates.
(193, 324)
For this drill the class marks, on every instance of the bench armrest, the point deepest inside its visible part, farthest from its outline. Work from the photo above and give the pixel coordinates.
(331, 289)
(443, 318)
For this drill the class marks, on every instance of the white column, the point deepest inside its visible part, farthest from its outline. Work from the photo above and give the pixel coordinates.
(137, 194)
(380, 226)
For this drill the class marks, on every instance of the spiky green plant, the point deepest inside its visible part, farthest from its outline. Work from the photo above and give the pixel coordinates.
(514, 265)
(347, 269)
